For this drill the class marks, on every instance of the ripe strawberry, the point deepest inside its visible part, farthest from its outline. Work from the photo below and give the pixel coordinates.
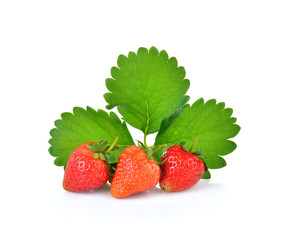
(134, 173)
(84, 172)
(181, 169)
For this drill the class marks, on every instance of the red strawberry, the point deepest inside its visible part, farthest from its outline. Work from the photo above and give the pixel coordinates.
(181, 169)
(134, 173)
(84, 172)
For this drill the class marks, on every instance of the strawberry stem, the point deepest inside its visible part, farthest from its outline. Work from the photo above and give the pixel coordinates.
(193, 144)
(144, 141)
(113, 145)
(152, 147)
(158, 149)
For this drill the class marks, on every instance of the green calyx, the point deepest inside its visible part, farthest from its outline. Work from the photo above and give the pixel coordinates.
(153, 151)
(102, 151)
(101, 148)
(191, 149)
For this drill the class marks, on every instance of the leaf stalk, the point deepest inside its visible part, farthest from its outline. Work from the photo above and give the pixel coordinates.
(113, 144)
(193, 144)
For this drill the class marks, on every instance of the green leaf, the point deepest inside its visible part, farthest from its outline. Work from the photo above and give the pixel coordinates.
(198, 152)
(209, 121)
(146, 87)
(111, 159)
(206, 175)
(86, 125)
(94, 147)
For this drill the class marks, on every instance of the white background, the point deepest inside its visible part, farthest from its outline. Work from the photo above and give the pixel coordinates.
(55, 55)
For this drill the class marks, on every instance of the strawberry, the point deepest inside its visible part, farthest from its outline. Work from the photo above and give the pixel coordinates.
(88, 166)
(135, 173)
(181, 170)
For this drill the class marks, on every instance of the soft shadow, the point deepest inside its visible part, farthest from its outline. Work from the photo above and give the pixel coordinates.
(152, 193)
(155, 202)
(202, 185)
(105, 189)
(157, 192)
